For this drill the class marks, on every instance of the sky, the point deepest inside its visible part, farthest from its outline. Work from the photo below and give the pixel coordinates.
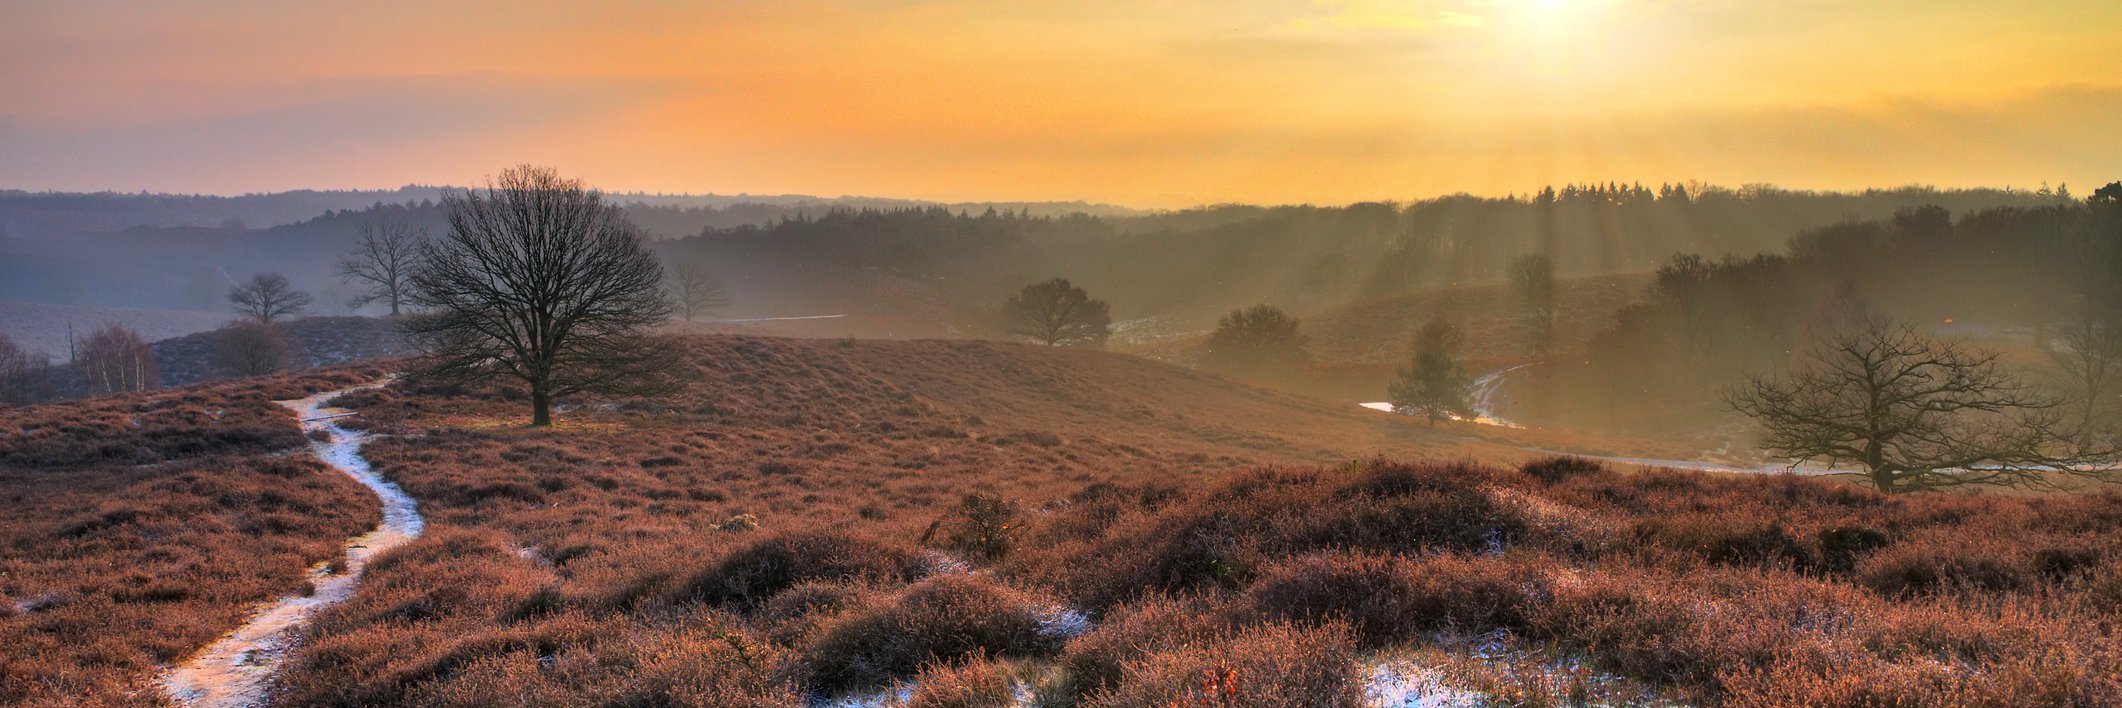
(1163, 103)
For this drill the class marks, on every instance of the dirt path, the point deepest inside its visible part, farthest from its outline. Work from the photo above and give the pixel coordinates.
(236, 670)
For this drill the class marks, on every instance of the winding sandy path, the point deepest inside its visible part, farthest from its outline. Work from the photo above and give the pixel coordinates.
(235, 670)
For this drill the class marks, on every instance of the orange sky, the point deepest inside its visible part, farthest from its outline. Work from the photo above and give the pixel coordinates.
(1166, 103)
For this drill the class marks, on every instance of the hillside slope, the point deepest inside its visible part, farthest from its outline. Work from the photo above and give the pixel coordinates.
(809, 518)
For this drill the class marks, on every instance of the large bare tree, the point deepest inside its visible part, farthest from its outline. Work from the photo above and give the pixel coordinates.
(695, 291)
(1057, 314)
(1913, 411)
(267, 297)
(542, 281)
(382, 262)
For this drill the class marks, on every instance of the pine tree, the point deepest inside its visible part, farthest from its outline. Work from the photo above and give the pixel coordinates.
(1435, 386)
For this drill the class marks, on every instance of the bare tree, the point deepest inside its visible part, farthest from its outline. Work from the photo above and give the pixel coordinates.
(382, 262)
(694, 290)
(117, 360)
(1057, 314)
(1914, 411)
(25, 378)
(247, 348)
(1435, 385)
(267, 297)
(542, 281)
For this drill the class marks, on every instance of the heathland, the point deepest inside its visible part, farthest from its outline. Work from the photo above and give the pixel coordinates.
(974, 521)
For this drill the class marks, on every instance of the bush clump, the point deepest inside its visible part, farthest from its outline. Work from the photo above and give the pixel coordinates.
(755, 573)
(947, 618)
(1386, 599)
(1269, 666)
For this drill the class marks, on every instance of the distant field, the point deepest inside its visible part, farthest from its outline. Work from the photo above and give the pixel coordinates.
(37, 326)
(1377, 332)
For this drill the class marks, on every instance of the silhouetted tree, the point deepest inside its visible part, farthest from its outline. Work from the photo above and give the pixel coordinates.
(1057, 314)
(1434, 385)
(382, 262)
(540, 280)
(267, 297)
(114, 359)
(1683, 284)
(1261, 340)
(251, 348)
(1914, 411)
(24, 378)
(694, 290)
(1533, 279)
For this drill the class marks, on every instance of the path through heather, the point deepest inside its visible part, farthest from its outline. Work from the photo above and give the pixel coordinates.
(237, 669)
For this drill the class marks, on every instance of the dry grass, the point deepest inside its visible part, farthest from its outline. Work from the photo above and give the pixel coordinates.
(140, 527)
(927, 511)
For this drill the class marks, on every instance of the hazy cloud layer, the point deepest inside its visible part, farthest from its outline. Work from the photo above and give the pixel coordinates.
(1157, 103)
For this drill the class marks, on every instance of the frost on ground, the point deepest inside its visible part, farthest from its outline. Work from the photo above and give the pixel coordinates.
(1062, 623)
(1405, 684)
(235, 670)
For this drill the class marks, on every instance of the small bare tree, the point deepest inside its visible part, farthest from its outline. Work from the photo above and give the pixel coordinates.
(117, 360)
(542, 281)
(248, 348)
(25, 378)
(1057, 314)
(1914, 411)
(382, 262)
(267, 297)
(695, 291)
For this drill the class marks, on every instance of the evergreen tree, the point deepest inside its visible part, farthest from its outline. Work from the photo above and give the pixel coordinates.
(1435, 385)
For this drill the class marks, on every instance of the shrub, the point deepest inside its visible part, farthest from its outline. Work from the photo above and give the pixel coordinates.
(984, 526)
(1561, 468)
(1387, 599)
(755, 573)
(1267, 666)
(1934, 564)
(974, 683)
(1842, 546)
(947, 618)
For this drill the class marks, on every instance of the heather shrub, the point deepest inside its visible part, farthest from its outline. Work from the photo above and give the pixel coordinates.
(975, 683)
(793, 615)
(1561, 468)
(1409, 508)
(947, 618)
(1936, 563)
(752, 574)
(983, 526)
(1095, 660)
(1269, 666)
(1728, 538)
(1223, 538)
(1842, 546)
(1386, 600)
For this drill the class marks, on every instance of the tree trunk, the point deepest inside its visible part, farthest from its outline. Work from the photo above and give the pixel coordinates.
(1874, 461)
(541, 407)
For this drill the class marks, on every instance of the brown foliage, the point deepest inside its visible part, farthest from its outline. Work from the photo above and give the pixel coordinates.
(140, 527)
